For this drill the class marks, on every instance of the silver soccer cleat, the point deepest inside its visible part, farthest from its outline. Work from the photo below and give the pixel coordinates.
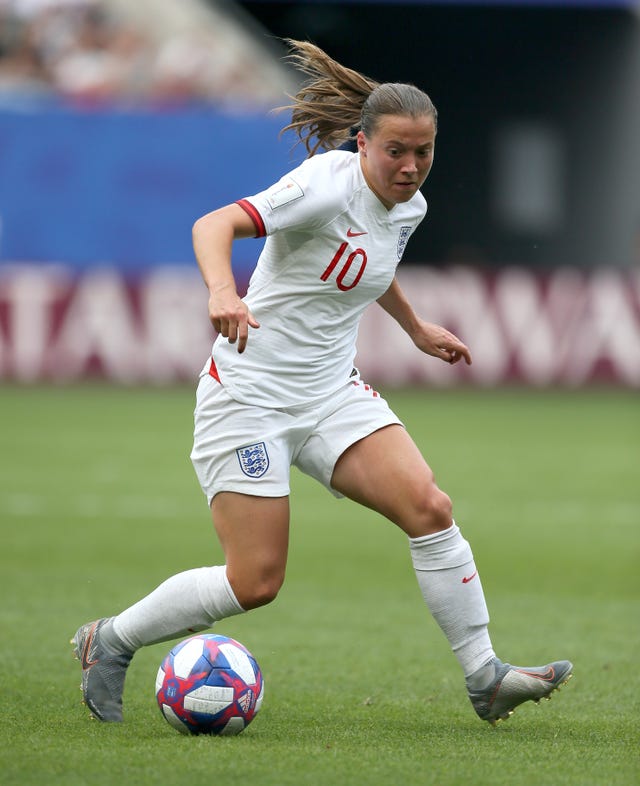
(103, 671)
(513, 685)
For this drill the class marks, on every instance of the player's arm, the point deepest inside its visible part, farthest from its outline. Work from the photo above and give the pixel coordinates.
(213, 236)
(432, 339)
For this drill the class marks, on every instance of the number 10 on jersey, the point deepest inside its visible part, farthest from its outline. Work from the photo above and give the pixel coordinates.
(359, 254)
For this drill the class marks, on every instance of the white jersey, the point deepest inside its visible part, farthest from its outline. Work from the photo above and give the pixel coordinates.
(332, 249)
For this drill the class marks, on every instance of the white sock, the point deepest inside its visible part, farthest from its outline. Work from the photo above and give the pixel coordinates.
(185, 603)
(451, 588)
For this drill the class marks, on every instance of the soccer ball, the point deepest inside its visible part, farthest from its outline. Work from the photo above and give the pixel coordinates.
(209, 684)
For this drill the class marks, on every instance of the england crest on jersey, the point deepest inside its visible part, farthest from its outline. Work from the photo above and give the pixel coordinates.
(254, 459)
(403, 237)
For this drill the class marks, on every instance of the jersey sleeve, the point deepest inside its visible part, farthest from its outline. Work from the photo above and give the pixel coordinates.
(306, 198)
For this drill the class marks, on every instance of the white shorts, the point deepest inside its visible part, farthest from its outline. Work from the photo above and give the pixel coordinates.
(250, 450)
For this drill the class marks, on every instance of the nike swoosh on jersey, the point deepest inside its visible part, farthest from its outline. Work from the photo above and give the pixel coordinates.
(351, 233)
(467, 579)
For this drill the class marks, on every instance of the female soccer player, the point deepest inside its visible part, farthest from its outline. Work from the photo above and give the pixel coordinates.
(280, 388)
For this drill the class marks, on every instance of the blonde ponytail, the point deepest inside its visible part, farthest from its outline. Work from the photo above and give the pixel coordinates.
(328, 106)
(336, 100)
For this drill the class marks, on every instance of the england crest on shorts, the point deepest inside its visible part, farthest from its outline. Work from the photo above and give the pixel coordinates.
(403, 237)
(254, 459)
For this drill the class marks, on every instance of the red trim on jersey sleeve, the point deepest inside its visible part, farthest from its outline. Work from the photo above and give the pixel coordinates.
(253, 214)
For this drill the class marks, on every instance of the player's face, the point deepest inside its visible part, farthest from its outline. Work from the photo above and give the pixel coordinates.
(397, 158)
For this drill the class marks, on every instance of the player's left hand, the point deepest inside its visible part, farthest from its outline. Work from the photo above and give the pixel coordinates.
(439, 342)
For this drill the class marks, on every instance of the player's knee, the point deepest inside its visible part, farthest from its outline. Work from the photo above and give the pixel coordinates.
(258, 590)
(432, 510)
(263, 593)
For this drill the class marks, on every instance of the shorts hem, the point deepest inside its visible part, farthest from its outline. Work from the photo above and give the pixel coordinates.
(249, 491)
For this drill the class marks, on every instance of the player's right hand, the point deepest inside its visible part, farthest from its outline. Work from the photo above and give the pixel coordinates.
(231, 317)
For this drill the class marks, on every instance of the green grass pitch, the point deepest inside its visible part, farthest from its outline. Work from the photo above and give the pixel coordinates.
(98, 504)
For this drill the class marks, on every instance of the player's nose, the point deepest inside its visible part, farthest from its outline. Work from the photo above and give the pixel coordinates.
(410, 165)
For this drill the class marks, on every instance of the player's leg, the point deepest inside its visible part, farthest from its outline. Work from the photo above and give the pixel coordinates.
(359, 449)
(254, 535)
(248, 489)
(386, 472)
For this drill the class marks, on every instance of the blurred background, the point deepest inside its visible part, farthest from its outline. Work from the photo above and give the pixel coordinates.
(121, 123)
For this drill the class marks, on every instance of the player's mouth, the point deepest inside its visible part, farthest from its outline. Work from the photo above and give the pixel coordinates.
(406, 185)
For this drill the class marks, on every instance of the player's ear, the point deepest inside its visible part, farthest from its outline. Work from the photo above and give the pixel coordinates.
(361, 141)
